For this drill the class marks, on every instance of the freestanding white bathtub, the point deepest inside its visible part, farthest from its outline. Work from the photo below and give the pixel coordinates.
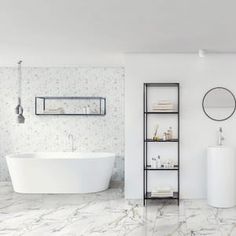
(60, 172)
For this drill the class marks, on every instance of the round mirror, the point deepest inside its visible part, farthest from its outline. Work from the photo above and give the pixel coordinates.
(219, 104)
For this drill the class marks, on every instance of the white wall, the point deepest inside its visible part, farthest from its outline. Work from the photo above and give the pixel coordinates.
(196, 76)
(48, 58)
(50, 133)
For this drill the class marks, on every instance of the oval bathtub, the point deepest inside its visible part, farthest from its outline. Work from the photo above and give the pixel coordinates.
(64, 172)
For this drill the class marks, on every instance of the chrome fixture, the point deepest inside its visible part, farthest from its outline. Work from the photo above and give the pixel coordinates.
(72, 140)
(220, 137)
(19, 109)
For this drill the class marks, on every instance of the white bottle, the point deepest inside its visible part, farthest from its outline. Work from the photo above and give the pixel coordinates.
(158, 161)
(154, 163)
(88, 110)
(171, 165)
(170, 133)
(164, 136)
(168, 164)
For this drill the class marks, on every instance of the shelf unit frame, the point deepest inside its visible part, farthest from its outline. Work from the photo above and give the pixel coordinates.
(102, 102)
(146, 140)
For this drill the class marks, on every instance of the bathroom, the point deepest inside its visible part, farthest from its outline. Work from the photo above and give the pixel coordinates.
(54, 53)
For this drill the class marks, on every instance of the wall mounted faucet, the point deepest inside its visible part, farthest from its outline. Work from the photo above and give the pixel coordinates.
(220, 137)
(72, 142)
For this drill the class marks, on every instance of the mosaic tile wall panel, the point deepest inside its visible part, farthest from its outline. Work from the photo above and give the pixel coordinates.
(50, 133)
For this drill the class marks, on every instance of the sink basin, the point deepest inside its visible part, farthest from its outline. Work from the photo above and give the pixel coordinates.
(221, 177)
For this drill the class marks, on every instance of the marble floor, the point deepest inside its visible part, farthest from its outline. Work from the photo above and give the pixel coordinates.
(108, 214)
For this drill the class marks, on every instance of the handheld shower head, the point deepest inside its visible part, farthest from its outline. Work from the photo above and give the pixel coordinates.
(19, 108)
(20, 119)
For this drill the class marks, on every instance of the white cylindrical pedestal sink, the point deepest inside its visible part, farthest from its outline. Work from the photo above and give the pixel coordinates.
(221, 189)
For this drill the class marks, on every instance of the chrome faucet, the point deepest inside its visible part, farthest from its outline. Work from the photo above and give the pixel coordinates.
(72, 140)
(220, 137)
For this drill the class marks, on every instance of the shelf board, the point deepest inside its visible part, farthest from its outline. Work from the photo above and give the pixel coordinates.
(63, 98)
(162, 84)
(161, 112)
(175, 196)
(161, 169)
(67, 114)
(161, 141)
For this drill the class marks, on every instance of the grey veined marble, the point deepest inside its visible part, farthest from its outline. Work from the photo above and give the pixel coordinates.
(107, 214)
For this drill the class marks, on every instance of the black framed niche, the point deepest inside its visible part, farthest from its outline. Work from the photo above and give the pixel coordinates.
(77, 106)
(219, 104)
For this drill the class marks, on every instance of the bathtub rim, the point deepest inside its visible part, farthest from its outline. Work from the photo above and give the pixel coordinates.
(39, 155)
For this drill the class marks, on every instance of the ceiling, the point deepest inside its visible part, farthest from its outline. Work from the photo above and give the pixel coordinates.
(117, 26)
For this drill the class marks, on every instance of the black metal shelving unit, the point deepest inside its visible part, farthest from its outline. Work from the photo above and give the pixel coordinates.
(146, 168)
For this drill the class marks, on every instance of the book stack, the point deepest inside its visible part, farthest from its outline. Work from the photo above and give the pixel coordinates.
(162, 192)
(163, 105)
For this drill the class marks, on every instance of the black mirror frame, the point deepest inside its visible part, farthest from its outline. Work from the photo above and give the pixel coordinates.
(209, 92)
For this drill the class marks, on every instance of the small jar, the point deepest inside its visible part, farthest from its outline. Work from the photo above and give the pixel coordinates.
(165, 165)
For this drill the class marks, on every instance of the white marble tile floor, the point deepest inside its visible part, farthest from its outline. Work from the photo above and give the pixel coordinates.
(108, 214)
